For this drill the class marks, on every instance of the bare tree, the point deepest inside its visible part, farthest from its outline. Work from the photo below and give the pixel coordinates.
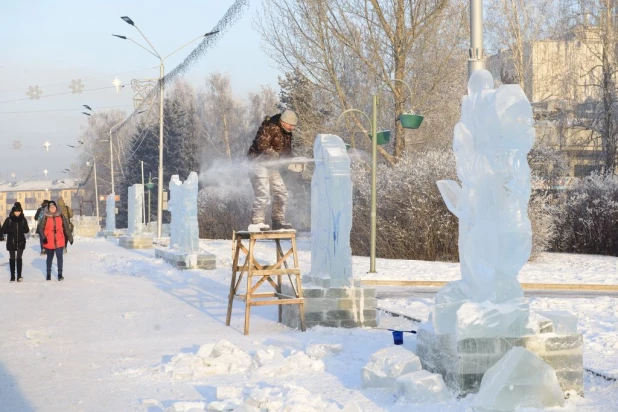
(331, 41)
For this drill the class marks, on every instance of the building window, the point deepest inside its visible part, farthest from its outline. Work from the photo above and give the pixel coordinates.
(585, 170)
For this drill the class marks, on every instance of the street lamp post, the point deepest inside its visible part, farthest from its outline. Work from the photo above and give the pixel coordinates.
(96, 182)
(111, 146)
(408, 121)
(96, 187)
(476, 60)
(154, 52)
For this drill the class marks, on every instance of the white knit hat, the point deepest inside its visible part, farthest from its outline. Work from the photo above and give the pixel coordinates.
(289, 117)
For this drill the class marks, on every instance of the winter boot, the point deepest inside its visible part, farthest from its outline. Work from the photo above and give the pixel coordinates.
(12, 266)
(48, 276)
(19, 266)
(257, 227)
(60, 277)
(281, 225)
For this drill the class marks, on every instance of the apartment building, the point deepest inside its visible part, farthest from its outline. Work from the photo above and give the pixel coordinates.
(31, 193)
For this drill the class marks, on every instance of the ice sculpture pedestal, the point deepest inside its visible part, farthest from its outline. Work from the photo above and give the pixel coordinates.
(87, 226)
(333, 297)
(184, 251)
(182, 260)
(135, 237)
(463, 362)
(332, 306)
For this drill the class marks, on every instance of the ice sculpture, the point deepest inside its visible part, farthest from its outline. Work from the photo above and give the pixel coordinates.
(491, 143)
(183, 205)
(110, 208)
(136, 207)
(331, 211)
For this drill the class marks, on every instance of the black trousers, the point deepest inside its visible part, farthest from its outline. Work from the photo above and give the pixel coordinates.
(15, 254)
(50, 258)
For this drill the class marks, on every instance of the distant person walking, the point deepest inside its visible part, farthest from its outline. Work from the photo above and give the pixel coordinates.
(15, 227)
(68, 213)
(38, 216)
(54, 231)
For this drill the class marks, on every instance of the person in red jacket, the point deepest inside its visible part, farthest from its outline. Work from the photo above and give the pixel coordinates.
(54, 232)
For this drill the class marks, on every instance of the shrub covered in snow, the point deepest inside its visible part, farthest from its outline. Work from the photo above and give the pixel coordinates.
(587, 216)
(413, 221)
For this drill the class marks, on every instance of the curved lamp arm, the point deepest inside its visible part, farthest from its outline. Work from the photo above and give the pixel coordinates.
(350, 111)
(388, 82)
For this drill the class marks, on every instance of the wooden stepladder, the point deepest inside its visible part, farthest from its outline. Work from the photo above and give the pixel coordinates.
(265, 275)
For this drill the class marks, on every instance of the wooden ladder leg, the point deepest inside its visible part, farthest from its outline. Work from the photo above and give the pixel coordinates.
(249, 285)
(299, 286)
(279, 255)
(230, 302)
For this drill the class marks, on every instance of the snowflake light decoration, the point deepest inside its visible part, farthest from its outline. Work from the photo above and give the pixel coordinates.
(117, 84)
(47, 144)
(76, 86)
(17, 145)
(34, 92)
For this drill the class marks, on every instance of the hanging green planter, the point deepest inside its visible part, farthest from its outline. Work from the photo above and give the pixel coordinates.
(149, 186)
(411, 120)
(384, 136)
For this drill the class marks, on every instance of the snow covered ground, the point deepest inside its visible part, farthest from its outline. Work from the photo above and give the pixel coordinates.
(126, 332)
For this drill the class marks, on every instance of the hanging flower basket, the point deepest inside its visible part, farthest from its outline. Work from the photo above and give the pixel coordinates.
(384, 136)
(411, 120)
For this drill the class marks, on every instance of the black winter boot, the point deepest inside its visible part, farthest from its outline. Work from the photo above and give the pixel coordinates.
(48, 276)
(60, 277)
(12, 266)
(19, 266)
(281, 225)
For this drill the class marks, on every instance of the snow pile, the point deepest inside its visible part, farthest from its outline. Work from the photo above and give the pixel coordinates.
(224, 358)
(519, 380)
(297, 362)
(422, 387)
(221, 358)
(321, 350)
(387, 364)
(287, 398)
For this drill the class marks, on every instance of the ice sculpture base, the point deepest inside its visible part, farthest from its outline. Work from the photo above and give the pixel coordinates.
(135, 242)
(184, 260)
(336, 307)
(86, 226)
(463, 363)
(113, 233)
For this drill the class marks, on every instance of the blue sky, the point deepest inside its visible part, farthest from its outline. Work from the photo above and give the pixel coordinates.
(49, 43)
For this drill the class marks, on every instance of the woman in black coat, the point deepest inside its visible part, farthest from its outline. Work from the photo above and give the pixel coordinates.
(15, 227)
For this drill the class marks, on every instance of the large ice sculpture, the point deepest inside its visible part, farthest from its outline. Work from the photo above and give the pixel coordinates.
(183, 205)
(110, 208)
(491, 143)
(136, 208)
(331, 211)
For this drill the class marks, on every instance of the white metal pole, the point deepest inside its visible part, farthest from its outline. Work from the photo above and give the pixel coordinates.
(111, 161)
(144, 189)
(374, 163)
(476, 60)
(96, 191)
(160, 185)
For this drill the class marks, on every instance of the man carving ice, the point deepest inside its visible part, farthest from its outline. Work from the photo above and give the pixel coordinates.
(272, 142)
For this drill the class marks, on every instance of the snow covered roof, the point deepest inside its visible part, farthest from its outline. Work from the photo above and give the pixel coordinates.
(34, 185)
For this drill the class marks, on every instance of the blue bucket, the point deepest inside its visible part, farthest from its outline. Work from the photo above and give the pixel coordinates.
(398, 337)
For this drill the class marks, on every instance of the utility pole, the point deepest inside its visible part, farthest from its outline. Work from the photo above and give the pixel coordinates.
(476, 56)
(143, 186)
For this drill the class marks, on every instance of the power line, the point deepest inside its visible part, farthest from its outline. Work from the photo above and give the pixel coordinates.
(88, 79)
(66, 110)
(58, 94)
